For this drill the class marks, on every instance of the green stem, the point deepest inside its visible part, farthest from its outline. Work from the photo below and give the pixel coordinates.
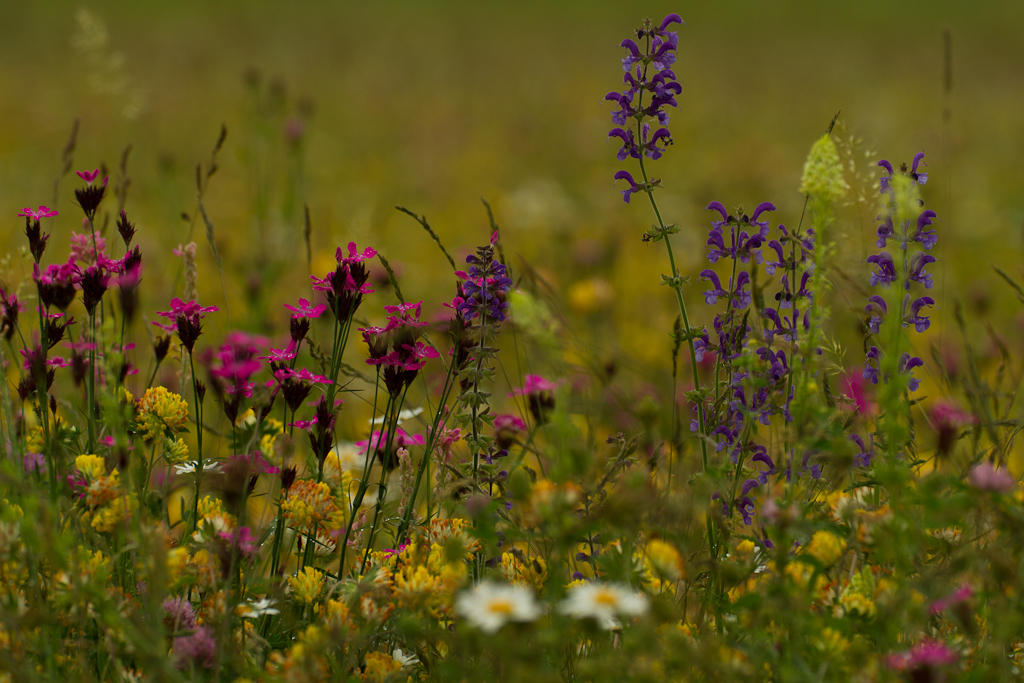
(200, 465)
(682, 312)
(449, 383)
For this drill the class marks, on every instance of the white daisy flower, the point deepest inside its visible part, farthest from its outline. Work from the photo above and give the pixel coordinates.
(603, 602)
(190, 467)
(254, 610)
(404, 659)
(404, 416)
(489, 605)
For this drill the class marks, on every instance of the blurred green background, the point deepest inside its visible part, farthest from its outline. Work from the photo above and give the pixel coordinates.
(352, 108)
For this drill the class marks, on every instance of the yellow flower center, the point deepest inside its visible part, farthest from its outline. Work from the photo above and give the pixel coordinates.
(605, 598)
(500, 607)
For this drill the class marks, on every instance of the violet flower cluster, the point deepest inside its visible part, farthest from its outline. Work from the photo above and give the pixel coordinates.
(911, 269)
(648, 72)
(758, 388)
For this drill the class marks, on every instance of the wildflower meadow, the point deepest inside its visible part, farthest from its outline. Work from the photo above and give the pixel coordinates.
(759, 435)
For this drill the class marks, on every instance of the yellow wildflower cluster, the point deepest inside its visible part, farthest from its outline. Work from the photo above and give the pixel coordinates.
(91, 466)
(441, 531)
(521, 570)
(423, 577)
(213, 519)
(858, 597)
(160, 411)
(306, 585)
(826, 547)
(107, 505)
(380, 667)
(308, 503)
(175, 451)
(305, 660)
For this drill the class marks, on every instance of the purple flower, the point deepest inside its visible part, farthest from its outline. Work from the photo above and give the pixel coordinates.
(927, 238)
(634, 55)
(649, 143)
(629, 148)
(920, 322)
(780, 262)
(761, 456)
(712, 295)
(922, 177)
(917, 273)
(871, 371)
(701, 345)
(633, 187)
(886, 272)
(908, 363)
(878, 309)
(864, 459)
(659, 81)
(625, 111)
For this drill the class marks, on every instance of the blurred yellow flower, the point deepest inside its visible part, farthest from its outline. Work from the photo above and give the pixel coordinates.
(590, 296)
(664, 561)
(161, 410)
(826, 547)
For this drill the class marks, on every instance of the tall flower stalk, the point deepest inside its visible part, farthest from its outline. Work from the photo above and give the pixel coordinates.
(648, 72)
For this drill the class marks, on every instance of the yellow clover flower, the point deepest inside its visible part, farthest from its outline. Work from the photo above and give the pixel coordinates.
(161, 410)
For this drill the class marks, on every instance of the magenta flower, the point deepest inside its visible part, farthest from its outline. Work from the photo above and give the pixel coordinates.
(88, 176)
(35, 461)
(35, 357)
(187, 317)
(958, 597)
(506, 429)
(82, 250)
(353, 255)
(40, 213)
(509, 423)
(305, 310)
(922, 659)
(534, 384)
(198, 649)
(416, 356)
(57, 284)
(179, 614)
(241, 539)
(303, 375)
(538, 394)
(179, 308)
(378, 441)
(377, 342)
(407, 314)
(985, 477)
(280, 355)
